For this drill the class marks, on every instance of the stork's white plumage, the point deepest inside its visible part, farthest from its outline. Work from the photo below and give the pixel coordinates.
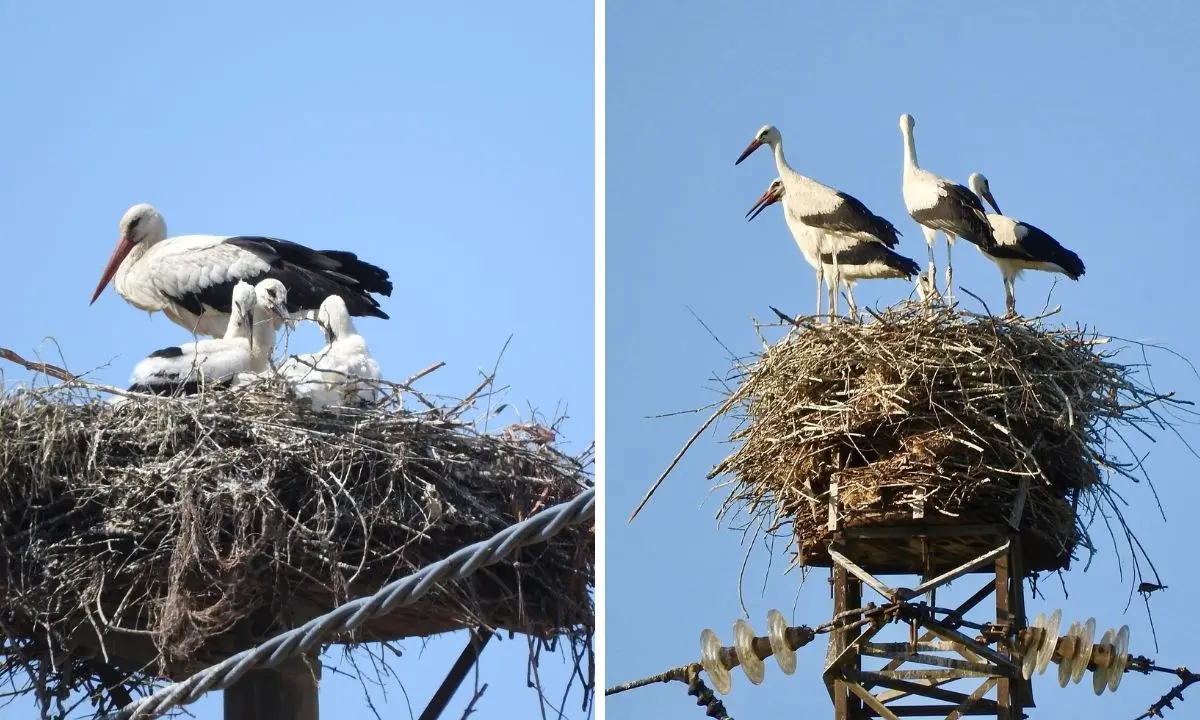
(856, 259)
(835, 213)
(341, 373)
(245, 347)
(1021, 246)
(184, 368)
(937, 204)
(190, 278)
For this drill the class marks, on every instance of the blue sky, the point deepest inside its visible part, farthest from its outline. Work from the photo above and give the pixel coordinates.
(452, 147)
(1083, 118)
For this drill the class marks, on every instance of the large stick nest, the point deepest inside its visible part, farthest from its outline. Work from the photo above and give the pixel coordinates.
(933, 418)
(158, 535)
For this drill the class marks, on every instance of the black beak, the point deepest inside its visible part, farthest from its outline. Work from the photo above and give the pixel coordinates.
(987, 195)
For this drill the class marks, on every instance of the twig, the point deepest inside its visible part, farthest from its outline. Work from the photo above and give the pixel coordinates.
(474, 699)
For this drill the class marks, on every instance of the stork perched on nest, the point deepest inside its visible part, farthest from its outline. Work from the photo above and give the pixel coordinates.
(937, 204)
(856, 259)
(190, 278)
(837, 215)
(245, 347)
(343, 372)
(1021, 246)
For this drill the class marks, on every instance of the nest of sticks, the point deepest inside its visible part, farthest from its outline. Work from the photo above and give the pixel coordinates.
(934, 417)
(154, 536)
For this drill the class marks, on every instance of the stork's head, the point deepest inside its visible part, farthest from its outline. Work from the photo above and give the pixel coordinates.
(766, 135)
(271, 296)
(773, 195)
(241, 315)
(907, 123)
(979, 185)
(334, 319)
(140, 225)
(925, 289)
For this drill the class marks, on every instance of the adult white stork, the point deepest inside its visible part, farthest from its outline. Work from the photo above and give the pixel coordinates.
(183, 369)
(190, 278)
(937, 204)
(341, 373)
(856, 259)
(835, 213)
(1021, 246)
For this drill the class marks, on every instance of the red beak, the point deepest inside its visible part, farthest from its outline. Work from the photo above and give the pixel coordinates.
(766, 200)
(754, 145)
(124, 245)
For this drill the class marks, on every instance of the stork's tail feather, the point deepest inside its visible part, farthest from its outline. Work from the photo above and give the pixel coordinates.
(1071, 264)
(887, 232)
(901, 264)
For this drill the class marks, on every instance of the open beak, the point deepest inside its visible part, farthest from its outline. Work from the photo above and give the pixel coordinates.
(754, 145)
(767, 199)
(987, 195)
(124, 245)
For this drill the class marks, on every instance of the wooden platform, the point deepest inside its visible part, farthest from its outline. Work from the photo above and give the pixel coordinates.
(928, 549)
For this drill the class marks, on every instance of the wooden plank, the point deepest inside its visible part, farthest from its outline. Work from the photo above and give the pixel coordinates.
(288, 692)
(933, 531)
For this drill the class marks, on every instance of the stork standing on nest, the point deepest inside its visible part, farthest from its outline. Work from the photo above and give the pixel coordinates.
(856, 259)
(1021, 246)
(837, 215)
(937, 204)
(340, 373)
(190, 278)
(245, 347)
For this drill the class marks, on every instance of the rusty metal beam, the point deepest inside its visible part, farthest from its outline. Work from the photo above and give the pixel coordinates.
(875, 584)
(935, 710)
(865, 677)
(969, 604)
(957, 572)
(978, 648)
(1005, 697)
(964, 706)
(871, 702)
(935, 660)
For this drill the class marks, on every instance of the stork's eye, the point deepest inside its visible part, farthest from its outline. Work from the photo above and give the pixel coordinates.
(135, 222)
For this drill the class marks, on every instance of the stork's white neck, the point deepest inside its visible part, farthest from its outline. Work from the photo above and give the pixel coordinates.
(910, 150)
(262, 335)
(236, 324)
(342, 326)
(786, 173)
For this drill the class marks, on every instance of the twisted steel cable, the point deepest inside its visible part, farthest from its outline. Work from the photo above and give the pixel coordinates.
(405, 591)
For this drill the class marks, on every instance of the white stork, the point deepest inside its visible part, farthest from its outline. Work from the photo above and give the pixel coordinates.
(341, 373)
(857, 259)
(183, 369)
(937, 204)
(1021, 246)
(835, 213)
(190, 278)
